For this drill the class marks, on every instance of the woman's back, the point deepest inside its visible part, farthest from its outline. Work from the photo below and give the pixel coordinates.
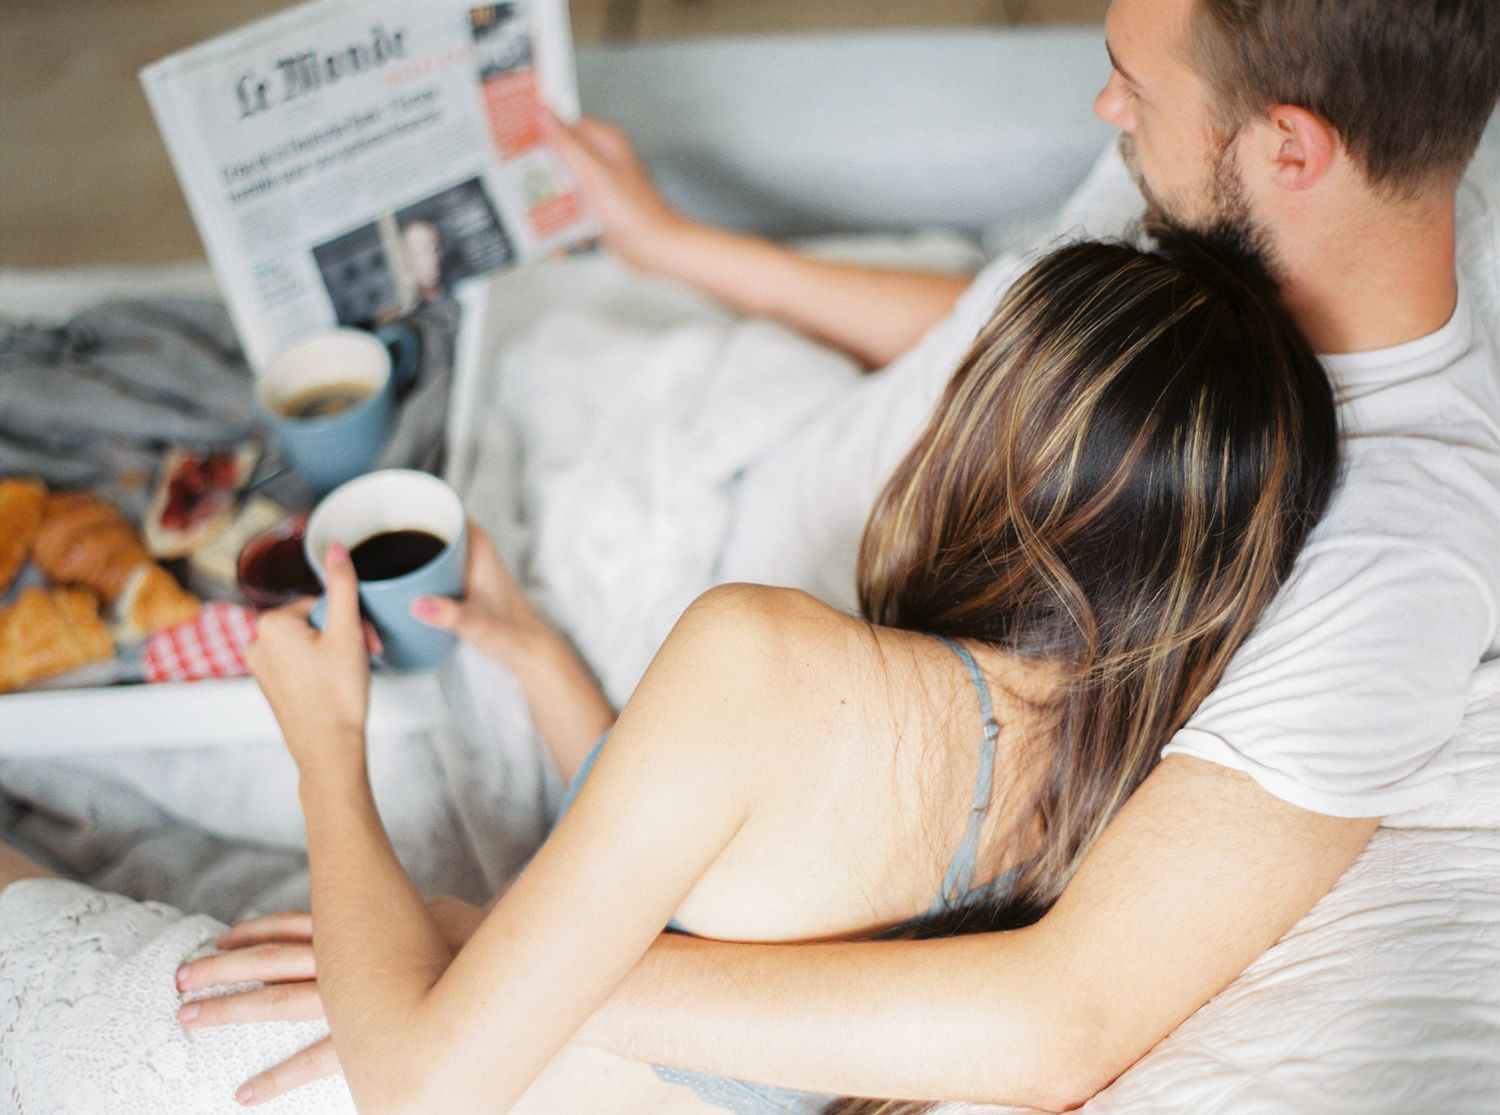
(876, 747)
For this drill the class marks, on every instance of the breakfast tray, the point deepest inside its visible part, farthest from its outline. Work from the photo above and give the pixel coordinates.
(231, 712)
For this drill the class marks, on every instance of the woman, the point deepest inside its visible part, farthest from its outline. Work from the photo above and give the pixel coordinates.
(1109, 493)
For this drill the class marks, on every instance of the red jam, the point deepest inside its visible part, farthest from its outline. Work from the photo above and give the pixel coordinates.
(198, 488)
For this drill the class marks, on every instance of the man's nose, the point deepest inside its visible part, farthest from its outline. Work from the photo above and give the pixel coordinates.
(1112, 104)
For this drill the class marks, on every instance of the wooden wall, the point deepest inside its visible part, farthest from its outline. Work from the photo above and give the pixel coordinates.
(84, 177)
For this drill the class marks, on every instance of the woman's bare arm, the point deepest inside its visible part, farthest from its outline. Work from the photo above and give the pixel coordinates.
(1199, 874)
(416, 1027)
(567, 706)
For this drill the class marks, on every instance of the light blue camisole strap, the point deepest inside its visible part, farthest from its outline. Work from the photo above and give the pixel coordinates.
(957, 890)
(958, 880)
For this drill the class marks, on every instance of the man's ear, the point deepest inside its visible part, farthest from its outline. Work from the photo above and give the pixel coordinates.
(1301, 145)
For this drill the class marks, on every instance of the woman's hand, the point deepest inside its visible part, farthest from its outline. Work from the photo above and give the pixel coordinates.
(317, 682)
(276, 950)
(494, 615)
(567, 706)
(637, 223)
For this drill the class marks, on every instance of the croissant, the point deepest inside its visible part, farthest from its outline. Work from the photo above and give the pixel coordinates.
(50, 631)
(21, 501)
(86, 541)
(152, 600)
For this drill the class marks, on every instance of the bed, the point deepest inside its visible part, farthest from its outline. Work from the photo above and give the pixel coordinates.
(938, 149)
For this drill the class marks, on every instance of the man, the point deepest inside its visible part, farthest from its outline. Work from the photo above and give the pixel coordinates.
(1332, 135)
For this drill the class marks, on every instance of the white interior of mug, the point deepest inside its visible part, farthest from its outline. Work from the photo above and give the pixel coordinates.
(338, 356)
(392, 499)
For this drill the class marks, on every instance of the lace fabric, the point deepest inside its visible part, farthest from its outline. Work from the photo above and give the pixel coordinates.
(88, 1014)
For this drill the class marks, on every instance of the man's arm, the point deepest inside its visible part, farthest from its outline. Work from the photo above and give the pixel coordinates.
(872, 313)
(1200, 873)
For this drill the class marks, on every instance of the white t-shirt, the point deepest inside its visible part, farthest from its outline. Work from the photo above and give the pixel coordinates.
(1346, 699)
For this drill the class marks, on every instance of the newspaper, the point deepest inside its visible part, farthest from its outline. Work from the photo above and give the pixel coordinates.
(348, 160)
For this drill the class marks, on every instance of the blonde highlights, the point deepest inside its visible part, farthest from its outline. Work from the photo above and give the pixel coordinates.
(1115, 482)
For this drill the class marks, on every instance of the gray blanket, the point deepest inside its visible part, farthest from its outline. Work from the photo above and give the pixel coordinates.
(97, 402)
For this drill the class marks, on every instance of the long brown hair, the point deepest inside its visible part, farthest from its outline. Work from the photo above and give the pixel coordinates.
(1116, 481)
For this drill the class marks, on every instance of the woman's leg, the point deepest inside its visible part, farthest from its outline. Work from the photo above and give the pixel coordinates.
(13, 866)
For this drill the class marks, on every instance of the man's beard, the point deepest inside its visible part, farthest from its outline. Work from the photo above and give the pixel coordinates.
(1228, 218)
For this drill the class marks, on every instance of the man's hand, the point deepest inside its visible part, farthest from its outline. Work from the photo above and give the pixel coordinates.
(276, 950)
(637, 223)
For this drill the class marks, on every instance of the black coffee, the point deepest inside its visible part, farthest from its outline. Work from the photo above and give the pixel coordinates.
(326, 400)
(394, 554)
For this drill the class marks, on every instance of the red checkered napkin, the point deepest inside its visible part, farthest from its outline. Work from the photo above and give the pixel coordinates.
(211, 646)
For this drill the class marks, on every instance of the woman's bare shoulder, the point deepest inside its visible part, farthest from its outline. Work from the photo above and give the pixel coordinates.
(771, 628)
(811, 672)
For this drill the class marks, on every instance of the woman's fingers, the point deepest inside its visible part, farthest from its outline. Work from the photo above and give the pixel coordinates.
(493, 615)
(439, 611)
(316, 1061)
(635, 221)
(343, 593)
(301, 608)
(484, 557)
(373, 642)
(281, 1002)
(274, 962)
(290, 925)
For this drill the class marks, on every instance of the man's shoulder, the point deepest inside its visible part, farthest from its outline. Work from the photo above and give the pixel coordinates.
(1421, 448)
(1346, 696)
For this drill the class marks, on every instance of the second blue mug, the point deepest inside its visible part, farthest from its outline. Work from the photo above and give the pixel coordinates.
(331, 399)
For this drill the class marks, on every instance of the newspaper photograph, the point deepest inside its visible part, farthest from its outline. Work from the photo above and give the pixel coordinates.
(347, 160)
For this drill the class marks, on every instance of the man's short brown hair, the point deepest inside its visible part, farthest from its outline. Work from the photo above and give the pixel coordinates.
(1408, 84)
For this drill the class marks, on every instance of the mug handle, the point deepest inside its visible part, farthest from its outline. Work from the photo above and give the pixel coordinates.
(405, 346)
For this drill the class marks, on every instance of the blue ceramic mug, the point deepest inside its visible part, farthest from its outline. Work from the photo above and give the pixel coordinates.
(395, 505)
(331, 399)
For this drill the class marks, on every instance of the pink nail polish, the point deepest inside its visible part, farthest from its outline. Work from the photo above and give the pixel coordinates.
(425, 609)
(337, 553)
(245, 1095)
(182, 976)
(188, 1012)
